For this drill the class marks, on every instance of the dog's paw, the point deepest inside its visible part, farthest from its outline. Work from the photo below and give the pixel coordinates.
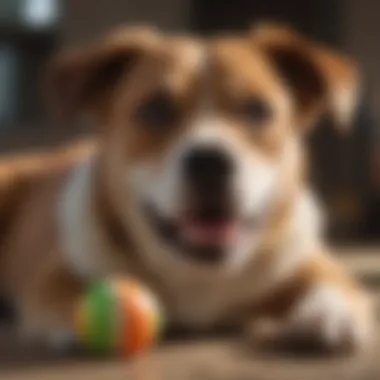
(324, 320)
(331, 320)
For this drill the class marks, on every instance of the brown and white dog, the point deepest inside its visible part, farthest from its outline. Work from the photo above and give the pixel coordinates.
(196, 185)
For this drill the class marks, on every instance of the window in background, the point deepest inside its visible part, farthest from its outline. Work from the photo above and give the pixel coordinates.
(39, 14)
(27, 37)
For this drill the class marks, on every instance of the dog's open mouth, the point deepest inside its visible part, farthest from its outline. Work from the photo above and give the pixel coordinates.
(205, 236)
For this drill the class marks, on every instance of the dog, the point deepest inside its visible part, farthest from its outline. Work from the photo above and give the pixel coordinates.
(196, 184)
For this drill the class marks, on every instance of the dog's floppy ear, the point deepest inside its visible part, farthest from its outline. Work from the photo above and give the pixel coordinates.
(319, 79)
(77, 79)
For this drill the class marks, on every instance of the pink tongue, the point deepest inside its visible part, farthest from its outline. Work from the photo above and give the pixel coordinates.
(210, 233)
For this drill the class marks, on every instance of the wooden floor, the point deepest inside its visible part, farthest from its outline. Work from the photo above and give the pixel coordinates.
(215, 359)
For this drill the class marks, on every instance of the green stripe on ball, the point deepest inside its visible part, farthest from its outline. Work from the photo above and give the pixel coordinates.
(101, 316)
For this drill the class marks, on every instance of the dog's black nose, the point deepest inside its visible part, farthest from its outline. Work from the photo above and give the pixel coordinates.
(208, 168)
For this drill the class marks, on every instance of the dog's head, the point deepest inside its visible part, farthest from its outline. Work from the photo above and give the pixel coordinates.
(204, 136)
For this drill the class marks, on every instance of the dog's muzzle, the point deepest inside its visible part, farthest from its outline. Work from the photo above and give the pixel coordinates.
(207, 174)
(207, 226)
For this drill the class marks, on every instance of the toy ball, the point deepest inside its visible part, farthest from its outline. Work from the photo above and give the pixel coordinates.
(118, 316)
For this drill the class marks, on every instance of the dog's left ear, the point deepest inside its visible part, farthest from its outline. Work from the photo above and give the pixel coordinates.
(319, 79)
(77, 80)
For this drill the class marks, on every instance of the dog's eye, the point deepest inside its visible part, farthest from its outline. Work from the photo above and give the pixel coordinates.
(255, 110)
(158, 112)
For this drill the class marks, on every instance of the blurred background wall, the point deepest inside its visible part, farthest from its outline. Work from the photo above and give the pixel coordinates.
(346, 171)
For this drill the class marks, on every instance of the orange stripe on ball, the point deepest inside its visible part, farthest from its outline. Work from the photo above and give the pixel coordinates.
(136, 335)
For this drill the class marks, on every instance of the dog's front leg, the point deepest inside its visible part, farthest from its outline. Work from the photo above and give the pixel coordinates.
(46, 308)
(319, 308)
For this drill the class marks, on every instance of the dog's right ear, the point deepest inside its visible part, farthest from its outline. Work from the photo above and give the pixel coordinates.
(77, 80)
(320, 80)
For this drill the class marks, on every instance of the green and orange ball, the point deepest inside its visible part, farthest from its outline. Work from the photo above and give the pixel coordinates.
(118, 316)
